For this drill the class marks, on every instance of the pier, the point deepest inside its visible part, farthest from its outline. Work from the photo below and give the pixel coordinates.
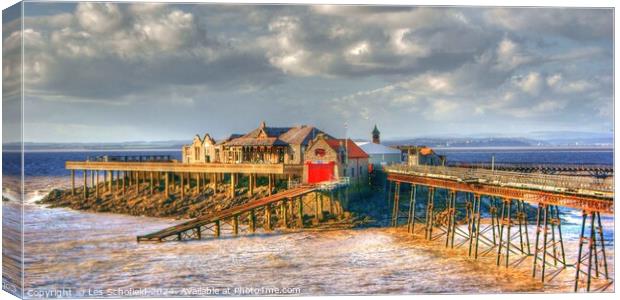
(588, 170)
(164, 175)
(503, 199)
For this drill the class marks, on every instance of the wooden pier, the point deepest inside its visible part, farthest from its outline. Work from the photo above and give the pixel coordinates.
(131, 171)
(243, 214)
(504, 199)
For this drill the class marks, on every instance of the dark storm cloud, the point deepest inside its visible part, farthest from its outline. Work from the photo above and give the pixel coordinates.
(226, 67)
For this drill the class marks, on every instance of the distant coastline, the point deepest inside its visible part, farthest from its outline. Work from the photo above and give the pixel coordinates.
(528, 148)
(109, 148)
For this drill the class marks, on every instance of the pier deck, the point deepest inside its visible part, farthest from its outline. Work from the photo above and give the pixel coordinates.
(178, 167)
(592, 194)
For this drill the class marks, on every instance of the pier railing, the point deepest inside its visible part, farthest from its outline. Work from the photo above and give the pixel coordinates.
(523, 180)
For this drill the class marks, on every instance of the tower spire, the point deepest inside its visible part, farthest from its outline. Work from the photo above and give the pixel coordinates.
(376, 135)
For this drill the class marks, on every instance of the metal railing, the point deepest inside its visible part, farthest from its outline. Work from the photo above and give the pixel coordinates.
(130, 158)
(511, 165)
(507, 178)
(330, 185)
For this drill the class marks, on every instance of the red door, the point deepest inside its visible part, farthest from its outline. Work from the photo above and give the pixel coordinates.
(319, 172)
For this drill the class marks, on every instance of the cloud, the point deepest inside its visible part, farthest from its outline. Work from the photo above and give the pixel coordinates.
(99, 17)
(530, 83)
(572, 23)
(433, 67)
(110, 51)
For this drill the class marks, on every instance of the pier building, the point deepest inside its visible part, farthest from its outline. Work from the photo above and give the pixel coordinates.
(264, 145)
(332, 159)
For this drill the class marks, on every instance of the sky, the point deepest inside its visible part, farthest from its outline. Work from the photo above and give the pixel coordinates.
(111, 72)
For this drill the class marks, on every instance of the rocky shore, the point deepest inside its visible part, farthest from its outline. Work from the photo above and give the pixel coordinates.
(157, 205)
(193, 205)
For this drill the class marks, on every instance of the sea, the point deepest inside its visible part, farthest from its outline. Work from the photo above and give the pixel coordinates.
(85, 254)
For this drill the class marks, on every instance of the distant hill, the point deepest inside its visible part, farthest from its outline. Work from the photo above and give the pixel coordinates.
(135, 145)
(567, 139)
(467, 142)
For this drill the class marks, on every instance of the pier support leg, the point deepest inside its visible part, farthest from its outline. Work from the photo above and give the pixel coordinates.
(396, 208)
(152, 183)
(477, 218)
(501, 230)
(233, 184)
(268, 217)
(215, 183)
(411, 220)
(596, 251)
(85, 189)
(451, 217)
(72, 182)
(251, 185)
(453, 214)
(182, 178)
(111, 179)
(198, 183)
(548, 219)
(300, 212)
(216, 229)
(429, 213)
(97, 186)
(124, 183)
(252, 221)
(284, 213)
(270, 184)
(235, 224)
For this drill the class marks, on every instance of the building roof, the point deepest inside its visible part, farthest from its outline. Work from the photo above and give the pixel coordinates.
(302, 135)
(354, 151)
(248, 141)
(372, 148)
(276, 136)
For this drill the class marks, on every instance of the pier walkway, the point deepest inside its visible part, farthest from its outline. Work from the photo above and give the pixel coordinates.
(588, 170)
(196, 227)
(508, 202)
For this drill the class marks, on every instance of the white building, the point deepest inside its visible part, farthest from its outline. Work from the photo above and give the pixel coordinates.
(379, 154)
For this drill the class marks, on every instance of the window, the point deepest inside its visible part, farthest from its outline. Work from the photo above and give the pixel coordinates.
(361, 171)
(352, 172)
(196, 153)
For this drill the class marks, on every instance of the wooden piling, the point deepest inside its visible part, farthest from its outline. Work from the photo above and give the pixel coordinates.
(268, 217)
(216, 229)
(72, 182)
(198, 183)
(152, 183)
(250, 185)
(252, 221)
(85, 192)
(284, 213)
(300, 212)
(182, 178)
(317, 219)
(235, 224)
(110, 182)
(166, 185)
(124, 183)
(233, 184)
(97, 186)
